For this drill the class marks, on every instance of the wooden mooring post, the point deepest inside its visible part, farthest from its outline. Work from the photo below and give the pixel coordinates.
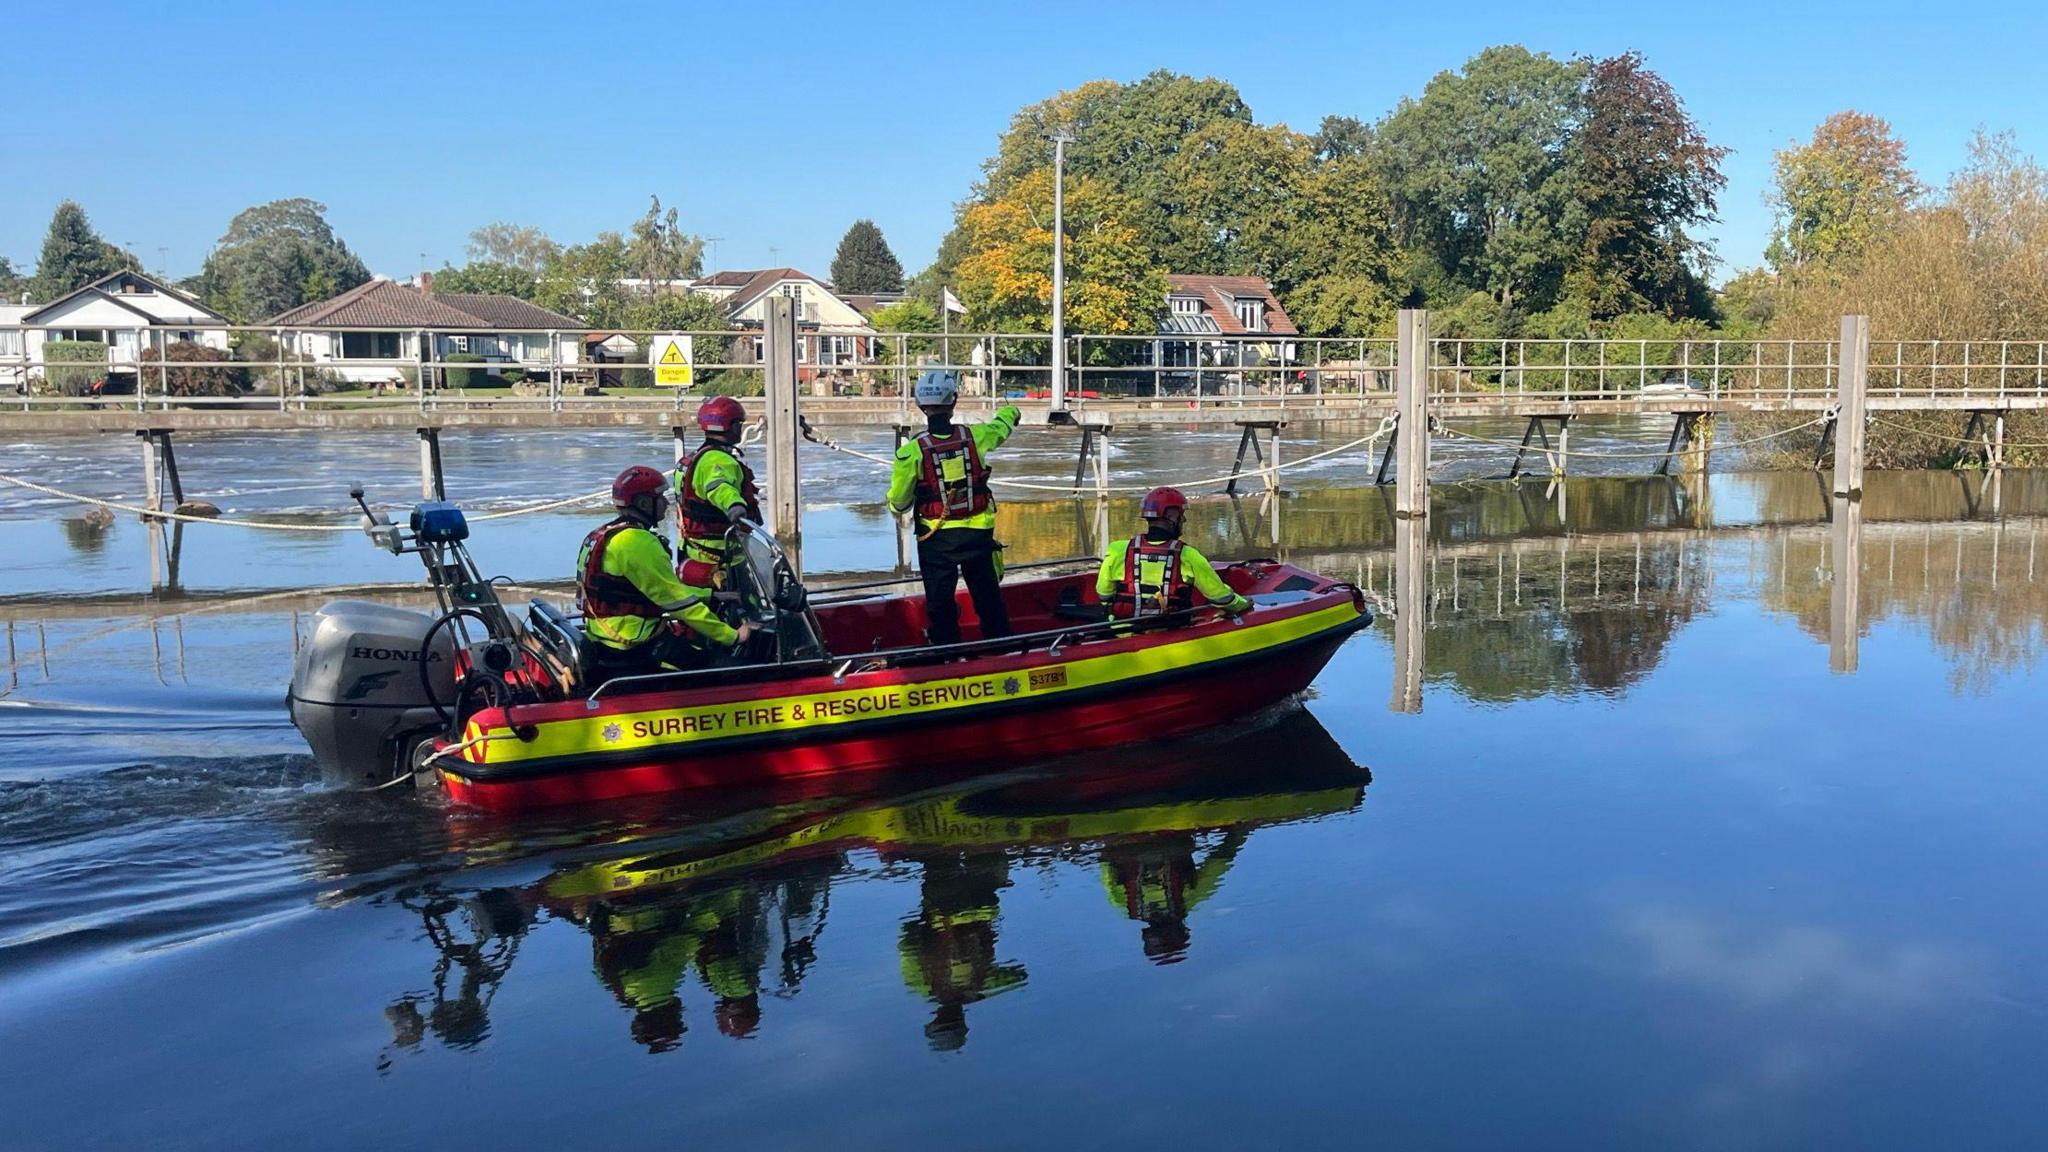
(784, 434)
(1411, 432)
(433, 484)
(1852, 383)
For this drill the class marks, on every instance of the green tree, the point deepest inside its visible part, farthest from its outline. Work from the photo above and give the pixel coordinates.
(906, 316)
(1125, 135)
(12, 283)
(1342, 138)
(488, 278)
(1837, 193)
(1115, 286)
(1479, 172)
(275, 257)
(864, 263)
(583, 280)
(513, 245)
(74, 255)
(657, 248)
(1644, 175)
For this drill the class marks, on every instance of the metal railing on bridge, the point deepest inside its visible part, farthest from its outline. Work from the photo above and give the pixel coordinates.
(159, 367)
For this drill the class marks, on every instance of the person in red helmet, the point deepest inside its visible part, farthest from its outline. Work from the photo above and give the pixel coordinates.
(715, 493)
(1156, 573)
(637, 617)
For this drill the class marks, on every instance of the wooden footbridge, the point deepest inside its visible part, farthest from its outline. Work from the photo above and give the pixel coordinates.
(1413, 388)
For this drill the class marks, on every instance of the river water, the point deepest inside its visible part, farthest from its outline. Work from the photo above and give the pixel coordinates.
(1675, 850)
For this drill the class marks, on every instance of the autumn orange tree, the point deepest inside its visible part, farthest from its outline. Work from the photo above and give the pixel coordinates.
(1113, 285)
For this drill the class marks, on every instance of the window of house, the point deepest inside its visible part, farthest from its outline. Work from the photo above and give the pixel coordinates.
(1251, 312)
(458, 343)
(1185, 305)
(794, 291)
(369, 345)
(758, 353)
(10, 344)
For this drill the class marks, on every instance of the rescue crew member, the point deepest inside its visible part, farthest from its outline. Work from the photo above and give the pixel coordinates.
(1157, 573)
(942, 473)
(636, 615)
(714, 492)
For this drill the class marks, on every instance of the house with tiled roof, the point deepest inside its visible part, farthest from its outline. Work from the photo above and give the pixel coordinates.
(1206, 321)
(1227, 305)
(833, 336)
(373, 333)
(128, 311)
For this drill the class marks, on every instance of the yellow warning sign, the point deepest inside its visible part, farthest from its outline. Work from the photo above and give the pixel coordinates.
(674, 364)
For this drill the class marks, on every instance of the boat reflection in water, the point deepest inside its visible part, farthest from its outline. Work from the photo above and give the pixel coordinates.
(736, 904)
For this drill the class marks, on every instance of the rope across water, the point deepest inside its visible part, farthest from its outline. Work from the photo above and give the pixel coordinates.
(598, 495)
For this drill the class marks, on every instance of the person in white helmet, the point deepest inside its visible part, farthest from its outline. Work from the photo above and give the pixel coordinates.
(942, 475)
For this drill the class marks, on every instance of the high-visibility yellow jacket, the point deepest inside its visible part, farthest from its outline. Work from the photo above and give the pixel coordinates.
(1155, 581)
(721, 480)
(642, 559)
(909, 469)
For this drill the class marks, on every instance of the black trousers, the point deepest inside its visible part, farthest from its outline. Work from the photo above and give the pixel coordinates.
(943, 558)
(673, 648)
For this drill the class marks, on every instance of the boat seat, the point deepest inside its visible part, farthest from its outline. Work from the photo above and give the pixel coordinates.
(1070, 607)
(561, 641)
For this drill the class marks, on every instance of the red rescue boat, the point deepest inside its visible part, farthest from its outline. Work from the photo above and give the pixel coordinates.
(509, 720)
(1058, 687)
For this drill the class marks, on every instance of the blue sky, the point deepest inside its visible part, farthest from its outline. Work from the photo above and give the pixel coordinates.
(775, 126)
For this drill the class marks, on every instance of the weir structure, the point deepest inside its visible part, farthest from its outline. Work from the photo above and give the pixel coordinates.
(1416, 387)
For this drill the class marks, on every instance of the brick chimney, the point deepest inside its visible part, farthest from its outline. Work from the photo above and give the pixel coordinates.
(427, 283)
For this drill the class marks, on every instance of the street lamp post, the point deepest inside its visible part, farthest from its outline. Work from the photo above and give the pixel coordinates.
(1060, 139)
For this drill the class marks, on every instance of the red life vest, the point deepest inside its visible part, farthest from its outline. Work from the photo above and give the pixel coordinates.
(602, 594)
(700, 521)
(939, 500)
(1134, 598)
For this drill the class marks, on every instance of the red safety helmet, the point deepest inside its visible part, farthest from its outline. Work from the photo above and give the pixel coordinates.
(721, 414)
(1159, 501)
(635, 482)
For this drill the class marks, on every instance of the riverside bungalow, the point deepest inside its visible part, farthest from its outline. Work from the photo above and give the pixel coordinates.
(129, 312)
(376, 332)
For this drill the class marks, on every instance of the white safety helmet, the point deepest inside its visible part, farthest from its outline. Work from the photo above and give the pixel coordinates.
(936, 389)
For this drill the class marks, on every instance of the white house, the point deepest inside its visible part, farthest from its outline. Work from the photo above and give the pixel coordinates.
(373, 332)
(13, 346)
(129, 312)
(834, 334)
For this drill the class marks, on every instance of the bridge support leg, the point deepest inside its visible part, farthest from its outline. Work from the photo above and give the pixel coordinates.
(1269, 469)
(1515, 469)
(1094, 450)
(1679, 425)
(1827, 441)
(433, 485)
(1699, 441)
(1411, 435)
(1387, 457)
(1995, 459)
(1852, 378)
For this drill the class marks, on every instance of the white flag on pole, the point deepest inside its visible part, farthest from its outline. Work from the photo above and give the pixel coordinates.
(952, 302)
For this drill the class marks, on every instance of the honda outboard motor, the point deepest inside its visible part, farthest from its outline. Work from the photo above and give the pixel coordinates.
(359, 691)
(369, 688)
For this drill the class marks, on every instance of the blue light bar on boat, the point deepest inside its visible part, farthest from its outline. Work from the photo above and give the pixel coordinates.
(439, 522)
